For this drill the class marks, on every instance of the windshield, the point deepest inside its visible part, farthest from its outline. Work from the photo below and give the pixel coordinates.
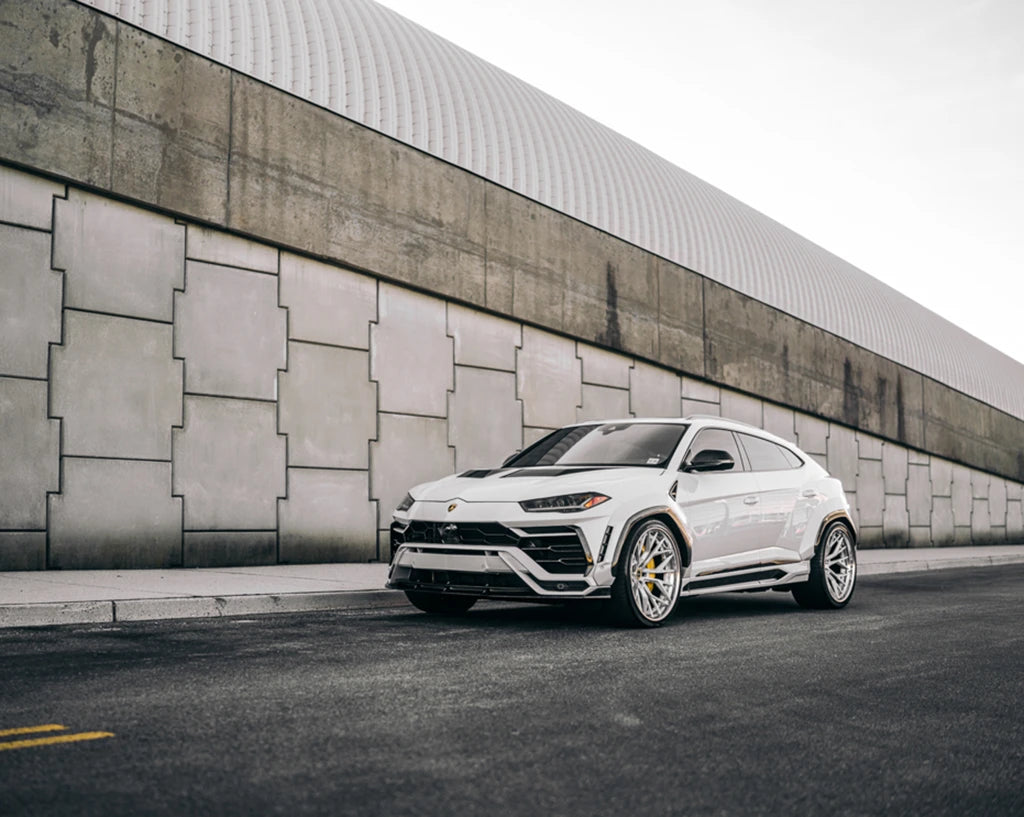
(646, 444)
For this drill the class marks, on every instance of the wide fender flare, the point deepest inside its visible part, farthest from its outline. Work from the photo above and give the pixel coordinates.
(667, 514)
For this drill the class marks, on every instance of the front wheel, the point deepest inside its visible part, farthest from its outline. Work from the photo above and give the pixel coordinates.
(649, 575)
(439, 604)
(833, 571)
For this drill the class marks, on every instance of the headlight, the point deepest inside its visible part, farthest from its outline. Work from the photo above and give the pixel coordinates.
(564, 504)
(406, 503)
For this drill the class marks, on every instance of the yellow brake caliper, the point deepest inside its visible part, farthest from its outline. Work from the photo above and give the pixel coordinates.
(650, 567)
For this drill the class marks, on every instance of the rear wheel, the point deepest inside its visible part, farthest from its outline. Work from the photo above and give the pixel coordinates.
(440, 604)
(650, 570)
(833, 571)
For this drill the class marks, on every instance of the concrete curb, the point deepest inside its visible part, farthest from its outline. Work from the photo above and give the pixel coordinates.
(910, 566)
(49, 614)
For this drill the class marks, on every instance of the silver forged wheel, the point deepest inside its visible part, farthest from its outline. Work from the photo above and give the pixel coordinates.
(839, 564)
(833, 571)
(647, 588)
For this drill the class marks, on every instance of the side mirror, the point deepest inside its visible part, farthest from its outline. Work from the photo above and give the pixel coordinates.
(710, 460)
(510, 457)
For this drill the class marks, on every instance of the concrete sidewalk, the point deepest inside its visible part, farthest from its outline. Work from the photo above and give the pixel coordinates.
(42, 598)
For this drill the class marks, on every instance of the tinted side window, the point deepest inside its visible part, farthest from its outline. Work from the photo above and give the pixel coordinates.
(716, 439)
(765, 455)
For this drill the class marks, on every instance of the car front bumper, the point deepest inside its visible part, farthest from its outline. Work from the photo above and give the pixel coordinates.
(493, 560)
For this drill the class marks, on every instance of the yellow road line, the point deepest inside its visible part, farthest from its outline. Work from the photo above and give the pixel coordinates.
(28, 730)
(24, 744)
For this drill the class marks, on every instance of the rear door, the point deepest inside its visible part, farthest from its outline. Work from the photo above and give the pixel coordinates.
(780, 476)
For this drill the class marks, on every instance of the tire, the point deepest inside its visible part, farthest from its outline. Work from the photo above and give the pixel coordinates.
(833, 571)
(650, 567)
(438, 604)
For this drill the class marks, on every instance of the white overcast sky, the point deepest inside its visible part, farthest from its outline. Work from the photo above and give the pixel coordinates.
(890, 132)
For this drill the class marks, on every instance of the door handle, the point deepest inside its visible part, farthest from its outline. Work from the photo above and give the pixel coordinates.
(810, 493)
(750, 500)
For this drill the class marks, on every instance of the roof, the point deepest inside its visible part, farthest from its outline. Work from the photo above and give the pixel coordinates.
(374, 66)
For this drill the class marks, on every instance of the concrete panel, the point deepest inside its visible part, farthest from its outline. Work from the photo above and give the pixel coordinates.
(328, 406)
(57, 88)
(485, 420)
(22, 550)
(117, 387)
(691, 407)
(744, 408)
(779, 421)
(680, 318)
(409, 450)
(27, 200)
(227, 250)
(327, 517)
(172, 122)
(30, 302)
(920, 537)
(549, 379)
(919, 495)
(942, 521)
(979, 485)
(117, 258)
(870, 493)
(229, 464)
(895, 522)
(327, 304)
(894, 468)
(942, 477)
(701, 391)
(812, 434)
(917, 457)
(654, 392)
(115, 514)
(604, 368)
(230, 331)
(482, 339)
(868, 447)
(229, 548)
(411, 355)
(1015, 522)
(962, 536)
(870, 536)
(1014, 491)
(981, 523)
(842, 454)
(603, 403)
(997, 501)
(30, 443)
(962, 496)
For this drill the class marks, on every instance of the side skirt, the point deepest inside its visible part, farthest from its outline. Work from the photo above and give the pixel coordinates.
(760, 579)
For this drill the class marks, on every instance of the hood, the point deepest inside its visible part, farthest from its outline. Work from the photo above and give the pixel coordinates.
(517, 484)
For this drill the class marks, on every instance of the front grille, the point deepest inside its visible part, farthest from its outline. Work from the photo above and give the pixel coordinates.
(556, 548)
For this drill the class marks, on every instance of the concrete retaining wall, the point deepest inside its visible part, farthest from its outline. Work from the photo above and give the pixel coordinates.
(174, 393)
(171, 395)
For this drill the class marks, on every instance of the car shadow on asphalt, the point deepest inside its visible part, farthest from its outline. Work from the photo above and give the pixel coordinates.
(590, 614)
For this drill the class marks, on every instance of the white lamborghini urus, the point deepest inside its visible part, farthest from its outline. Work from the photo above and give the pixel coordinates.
(634, 513)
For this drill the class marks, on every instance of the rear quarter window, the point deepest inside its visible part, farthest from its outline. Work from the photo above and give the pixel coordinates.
(765, 455)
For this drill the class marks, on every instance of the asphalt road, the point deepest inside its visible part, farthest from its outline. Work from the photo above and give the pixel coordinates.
(907, 702)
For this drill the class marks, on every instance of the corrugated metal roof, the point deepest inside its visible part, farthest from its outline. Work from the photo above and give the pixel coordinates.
(376, 67)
